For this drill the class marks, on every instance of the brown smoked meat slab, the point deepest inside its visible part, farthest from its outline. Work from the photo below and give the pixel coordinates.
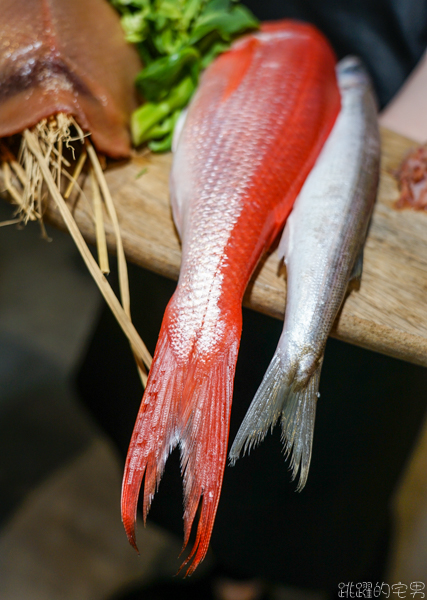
(67, 56)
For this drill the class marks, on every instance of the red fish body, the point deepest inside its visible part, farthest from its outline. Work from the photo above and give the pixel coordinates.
(252, 133)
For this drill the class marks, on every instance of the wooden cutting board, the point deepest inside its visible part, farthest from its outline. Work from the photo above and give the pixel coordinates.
(389, 312)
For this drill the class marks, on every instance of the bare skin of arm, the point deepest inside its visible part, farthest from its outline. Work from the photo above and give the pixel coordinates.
(406, 113)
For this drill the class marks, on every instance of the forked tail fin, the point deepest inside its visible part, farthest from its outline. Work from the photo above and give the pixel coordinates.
(187, 403)
(280, 395)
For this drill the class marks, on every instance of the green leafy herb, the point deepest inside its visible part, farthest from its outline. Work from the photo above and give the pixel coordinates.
(176, 39)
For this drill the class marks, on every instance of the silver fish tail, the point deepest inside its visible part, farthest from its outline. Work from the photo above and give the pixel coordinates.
(322, 245)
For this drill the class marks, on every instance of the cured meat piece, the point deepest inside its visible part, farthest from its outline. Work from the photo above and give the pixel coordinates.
(412, 177)
(67, 56)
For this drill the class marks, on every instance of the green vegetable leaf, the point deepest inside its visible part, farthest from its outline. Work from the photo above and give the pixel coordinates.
(161, 136)
(164, 128)
(169, 9)
(163, 145)
(190, 11)
(238, 20)
(213, 52)
(216, 6)
(151, 114)
(160, 76)
(130, 3)
(176, 40)
(135, 27)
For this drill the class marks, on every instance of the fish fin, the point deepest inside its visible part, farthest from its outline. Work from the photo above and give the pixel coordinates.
(179, 126)
(177, 196)
(205, 422)
(264, 411)
(278, 395)
(298, 416)
(154, 436)
(356, 273)
(189, 404)
(286, 241)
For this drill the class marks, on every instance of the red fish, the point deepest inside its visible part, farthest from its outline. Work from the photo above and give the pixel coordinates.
(70, 57)
(252, 133)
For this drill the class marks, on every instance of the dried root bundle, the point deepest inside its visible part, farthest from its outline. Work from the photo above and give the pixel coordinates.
(23, 178)
(40, 170)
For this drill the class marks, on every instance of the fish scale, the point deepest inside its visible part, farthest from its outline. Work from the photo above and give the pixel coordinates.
(250, 137)
(323, 238)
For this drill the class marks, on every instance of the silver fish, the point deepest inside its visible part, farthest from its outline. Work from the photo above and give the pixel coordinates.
(322, 245)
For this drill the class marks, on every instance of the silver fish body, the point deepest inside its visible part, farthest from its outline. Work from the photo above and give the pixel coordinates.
(322, 245)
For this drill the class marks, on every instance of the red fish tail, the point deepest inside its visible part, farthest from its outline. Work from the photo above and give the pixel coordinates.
(204, 419)
(185, 401)
(154, 435)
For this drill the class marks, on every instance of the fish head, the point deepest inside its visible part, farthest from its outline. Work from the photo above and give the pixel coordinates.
(352, 73)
